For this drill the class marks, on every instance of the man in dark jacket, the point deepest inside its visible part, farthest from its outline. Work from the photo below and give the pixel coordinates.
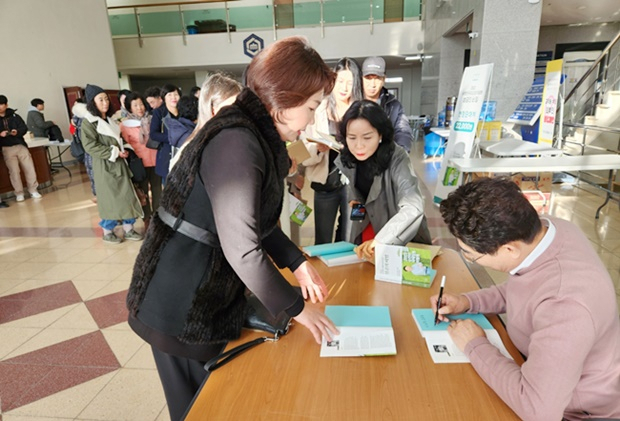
(37, 124)
(15, 151)
(373, 71)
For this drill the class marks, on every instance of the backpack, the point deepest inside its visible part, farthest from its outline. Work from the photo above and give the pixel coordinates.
(77, 150)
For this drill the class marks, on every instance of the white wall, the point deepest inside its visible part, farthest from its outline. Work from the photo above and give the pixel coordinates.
(215, 49)
(552, 35)
(47, 45)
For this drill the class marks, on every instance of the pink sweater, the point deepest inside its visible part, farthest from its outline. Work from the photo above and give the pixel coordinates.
(562, 315)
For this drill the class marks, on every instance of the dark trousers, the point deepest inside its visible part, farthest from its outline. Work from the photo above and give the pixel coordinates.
(151, 183)
(181, 379)
(54, 133)
(326, 206)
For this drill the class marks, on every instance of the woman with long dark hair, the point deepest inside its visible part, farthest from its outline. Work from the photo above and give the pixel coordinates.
(330, 195)
(116, 196)
(216, 229)
(382, 180)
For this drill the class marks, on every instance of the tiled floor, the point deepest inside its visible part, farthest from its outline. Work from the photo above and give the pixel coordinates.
(66, 352)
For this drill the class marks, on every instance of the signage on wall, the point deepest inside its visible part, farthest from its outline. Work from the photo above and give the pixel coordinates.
(472, 93)
(253, 45)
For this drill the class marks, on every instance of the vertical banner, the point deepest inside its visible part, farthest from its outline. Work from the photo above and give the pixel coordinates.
(553, 79)
(472, 94)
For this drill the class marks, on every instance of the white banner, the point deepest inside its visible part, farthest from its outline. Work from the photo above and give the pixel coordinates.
(553, 79)
(472, 93)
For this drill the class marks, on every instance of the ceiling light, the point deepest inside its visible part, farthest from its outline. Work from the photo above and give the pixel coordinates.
(418, 57)
(393, 79)
(581, 8)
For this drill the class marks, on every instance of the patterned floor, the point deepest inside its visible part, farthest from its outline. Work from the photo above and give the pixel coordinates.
(66, 352)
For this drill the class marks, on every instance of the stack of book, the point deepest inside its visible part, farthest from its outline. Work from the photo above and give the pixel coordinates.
(334, 254)
(406, 264)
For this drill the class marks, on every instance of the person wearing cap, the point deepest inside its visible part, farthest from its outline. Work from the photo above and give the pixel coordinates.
(15, 151)
(37, 124)
(116, 196)
(373, 71)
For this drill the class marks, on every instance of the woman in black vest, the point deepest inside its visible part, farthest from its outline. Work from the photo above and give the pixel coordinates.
(187, 294)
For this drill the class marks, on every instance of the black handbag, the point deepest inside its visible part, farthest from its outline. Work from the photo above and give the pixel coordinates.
(257, 318)
(136, 166)
(153, 144)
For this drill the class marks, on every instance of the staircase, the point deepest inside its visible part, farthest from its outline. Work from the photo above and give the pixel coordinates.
(589, 117)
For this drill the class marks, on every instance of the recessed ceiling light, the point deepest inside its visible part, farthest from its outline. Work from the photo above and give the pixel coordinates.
(581, 8)
(597, 18)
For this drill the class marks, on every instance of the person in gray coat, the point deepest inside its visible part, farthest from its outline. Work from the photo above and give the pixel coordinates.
(383, 190)
(37, 124)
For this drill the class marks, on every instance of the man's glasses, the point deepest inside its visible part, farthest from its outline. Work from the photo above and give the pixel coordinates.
(466, 256)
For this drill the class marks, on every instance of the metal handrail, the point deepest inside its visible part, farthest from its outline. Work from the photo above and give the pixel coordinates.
(594, 65)
(172, 3)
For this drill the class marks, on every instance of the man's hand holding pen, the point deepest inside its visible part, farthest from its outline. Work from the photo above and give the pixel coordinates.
(461, 331)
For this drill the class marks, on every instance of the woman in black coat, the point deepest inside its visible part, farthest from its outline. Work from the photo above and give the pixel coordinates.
(187, 293)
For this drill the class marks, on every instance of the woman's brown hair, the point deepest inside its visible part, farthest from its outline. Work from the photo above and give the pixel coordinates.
(287, 73)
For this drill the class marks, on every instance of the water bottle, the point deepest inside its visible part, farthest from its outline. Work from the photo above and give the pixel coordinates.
(441, 118)
(450, 104)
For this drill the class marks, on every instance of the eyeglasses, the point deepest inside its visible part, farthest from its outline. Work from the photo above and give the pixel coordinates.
(465, 253)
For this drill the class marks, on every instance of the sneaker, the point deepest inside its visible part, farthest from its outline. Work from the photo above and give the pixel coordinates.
(111, 238)
(36, 195)
(4, 205)
(133, 236)
(19, 197)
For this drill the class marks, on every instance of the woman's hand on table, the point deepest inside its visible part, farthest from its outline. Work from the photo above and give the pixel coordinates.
(311, 283)
(366, 250)
(315, 320)
(463, 331)
(450, 304)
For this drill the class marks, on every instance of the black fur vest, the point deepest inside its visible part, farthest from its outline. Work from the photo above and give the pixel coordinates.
(218, 306)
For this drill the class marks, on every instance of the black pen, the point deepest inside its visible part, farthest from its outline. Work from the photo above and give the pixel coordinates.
(443, 283)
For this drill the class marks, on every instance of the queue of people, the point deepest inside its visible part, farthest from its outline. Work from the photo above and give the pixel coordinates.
(223, 226)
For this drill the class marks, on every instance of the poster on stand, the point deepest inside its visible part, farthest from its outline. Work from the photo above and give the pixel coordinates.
(472, 93)
(553, 79)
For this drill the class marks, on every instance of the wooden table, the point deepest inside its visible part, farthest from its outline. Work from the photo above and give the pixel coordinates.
(287, 380)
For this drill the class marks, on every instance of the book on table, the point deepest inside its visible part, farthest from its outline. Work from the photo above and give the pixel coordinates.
(405, 264)
(327, 140)
(438, 341)
(334, 254)
(364, 331)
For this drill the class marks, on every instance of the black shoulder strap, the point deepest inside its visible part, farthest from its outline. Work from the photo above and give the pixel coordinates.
(225, 357)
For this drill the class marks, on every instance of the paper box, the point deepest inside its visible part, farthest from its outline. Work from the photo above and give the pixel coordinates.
(489, 130)
(534, 181)
(540, 200)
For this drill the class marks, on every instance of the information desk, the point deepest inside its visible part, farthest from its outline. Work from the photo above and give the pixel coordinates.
(287, 380)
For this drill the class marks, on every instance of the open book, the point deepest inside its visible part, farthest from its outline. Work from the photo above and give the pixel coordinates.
(364, 331)
(327, 140)
(438, 341)
(334, 254)
(405, 265)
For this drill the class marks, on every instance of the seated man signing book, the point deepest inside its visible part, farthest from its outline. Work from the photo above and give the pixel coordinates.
(559, 301)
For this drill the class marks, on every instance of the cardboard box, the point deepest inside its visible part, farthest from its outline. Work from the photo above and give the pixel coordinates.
(534, 181)
(541, 201)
